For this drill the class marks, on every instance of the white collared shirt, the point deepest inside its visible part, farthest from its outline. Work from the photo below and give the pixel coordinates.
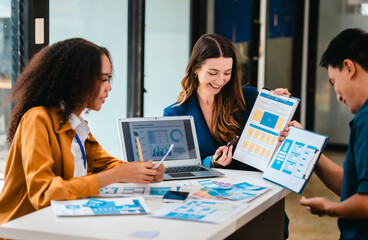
(81, 128)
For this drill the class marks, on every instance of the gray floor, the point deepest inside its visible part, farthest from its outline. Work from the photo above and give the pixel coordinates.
(304, 225)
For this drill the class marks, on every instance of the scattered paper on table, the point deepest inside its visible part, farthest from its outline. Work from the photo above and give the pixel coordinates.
(202, 211)
(216, 190)
(92, 206)
(133, 189)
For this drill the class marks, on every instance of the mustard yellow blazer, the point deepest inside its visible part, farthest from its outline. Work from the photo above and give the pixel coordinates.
(40, 165)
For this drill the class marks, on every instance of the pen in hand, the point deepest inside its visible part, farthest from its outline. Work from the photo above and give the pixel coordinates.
(228, 145)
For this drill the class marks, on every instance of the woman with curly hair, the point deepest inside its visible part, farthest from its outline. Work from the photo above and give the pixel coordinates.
(53, 155)
(213, 95)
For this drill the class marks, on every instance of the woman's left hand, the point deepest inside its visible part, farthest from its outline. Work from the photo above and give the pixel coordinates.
(282, 91)
(225, 159)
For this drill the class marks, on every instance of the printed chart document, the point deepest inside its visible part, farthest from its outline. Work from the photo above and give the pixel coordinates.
(93, 206)
(134, 189)
(269, 116)
(294, 160)
(201, 211)
(216, 190)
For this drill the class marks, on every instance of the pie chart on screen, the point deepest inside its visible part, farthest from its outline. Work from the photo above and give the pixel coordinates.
(176, 135)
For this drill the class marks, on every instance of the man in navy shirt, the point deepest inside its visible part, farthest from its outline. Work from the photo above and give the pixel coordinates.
(346, 60)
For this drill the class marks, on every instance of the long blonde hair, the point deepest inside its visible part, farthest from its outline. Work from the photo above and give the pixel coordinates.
(229, 102)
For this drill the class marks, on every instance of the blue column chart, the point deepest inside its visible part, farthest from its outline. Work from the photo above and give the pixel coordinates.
(258, 141)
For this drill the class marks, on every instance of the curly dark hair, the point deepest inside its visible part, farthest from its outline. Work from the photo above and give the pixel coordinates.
(68, 71)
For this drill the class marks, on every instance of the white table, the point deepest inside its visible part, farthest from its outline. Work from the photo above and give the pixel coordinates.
(263, 219)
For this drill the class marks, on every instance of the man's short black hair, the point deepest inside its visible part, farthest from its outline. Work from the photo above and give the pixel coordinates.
(352, 44)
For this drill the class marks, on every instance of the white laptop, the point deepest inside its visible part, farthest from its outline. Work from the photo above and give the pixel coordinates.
(156, 134)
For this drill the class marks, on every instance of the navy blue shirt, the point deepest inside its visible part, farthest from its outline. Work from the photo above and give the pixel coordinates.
(356, 173)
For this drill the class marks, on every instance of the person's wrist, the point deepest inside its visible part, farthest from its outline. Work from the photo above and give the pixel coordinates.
(331, 209)
(214, 163)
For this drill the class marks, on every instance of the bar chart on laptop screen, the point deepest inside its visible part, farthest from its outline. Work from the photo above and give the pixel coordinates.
(156, 138)
(259, 138)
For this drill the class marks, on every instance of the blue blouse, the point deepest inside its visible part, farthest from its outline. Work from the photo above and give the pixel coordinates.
(207, 143)
(356, 173)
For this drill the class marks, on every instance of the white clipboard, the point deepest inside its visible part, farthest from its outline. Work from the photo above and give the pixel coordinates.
(268, 117)
(294, 161)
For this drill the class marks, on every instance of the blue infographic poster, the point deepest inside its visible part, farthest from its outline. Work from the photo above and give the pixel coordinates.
(294, 160)
(202, 211)
(259, 137)
(135, 189)
(93, 206)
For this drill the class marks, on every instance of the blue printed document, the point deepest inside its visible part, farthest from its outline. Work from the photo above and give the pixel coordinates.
(135, 189)
(94, 206)
(293, 162)
(202, 211)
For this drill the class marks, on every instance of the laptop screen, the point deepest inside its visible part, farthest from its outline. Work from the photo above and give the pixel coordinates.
(155, 136)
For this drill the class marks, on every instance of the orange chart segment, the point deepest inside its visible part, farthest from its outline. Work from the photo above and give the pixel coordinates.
(250, 132)
(245, 144)
(258, 116)
(280, 123)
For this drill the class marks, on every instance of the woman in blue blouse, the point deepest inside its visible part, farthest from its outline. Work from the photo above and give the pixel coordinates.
(213, 95)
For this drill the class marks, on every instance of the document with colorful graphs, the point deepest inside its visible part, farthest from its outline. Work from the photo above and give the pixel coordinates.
(93, 206)
(210, 211)
(293, 162)
(135, 189)
(268, 117)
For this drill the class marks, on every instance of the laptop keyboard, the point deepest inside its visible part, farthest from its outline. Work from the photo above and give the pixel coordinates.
(185, 169)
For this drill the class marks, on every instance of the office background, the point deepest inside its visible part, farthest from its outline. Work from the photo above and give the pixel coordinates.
(279, 43)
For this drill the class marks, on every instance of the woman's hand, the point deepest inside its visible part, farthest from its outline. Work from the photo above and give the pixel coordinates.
(160, 173)
(226, 157)
(285, 132)
(281, 91)
(132, 172)
(138, 172)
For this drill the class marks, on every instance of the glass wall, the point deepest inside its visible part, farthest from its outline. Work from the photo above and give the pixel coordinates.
(104, 23)
(232, 19)
(279, 50)
(166, 52)
(5, 76)
(332, 117)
